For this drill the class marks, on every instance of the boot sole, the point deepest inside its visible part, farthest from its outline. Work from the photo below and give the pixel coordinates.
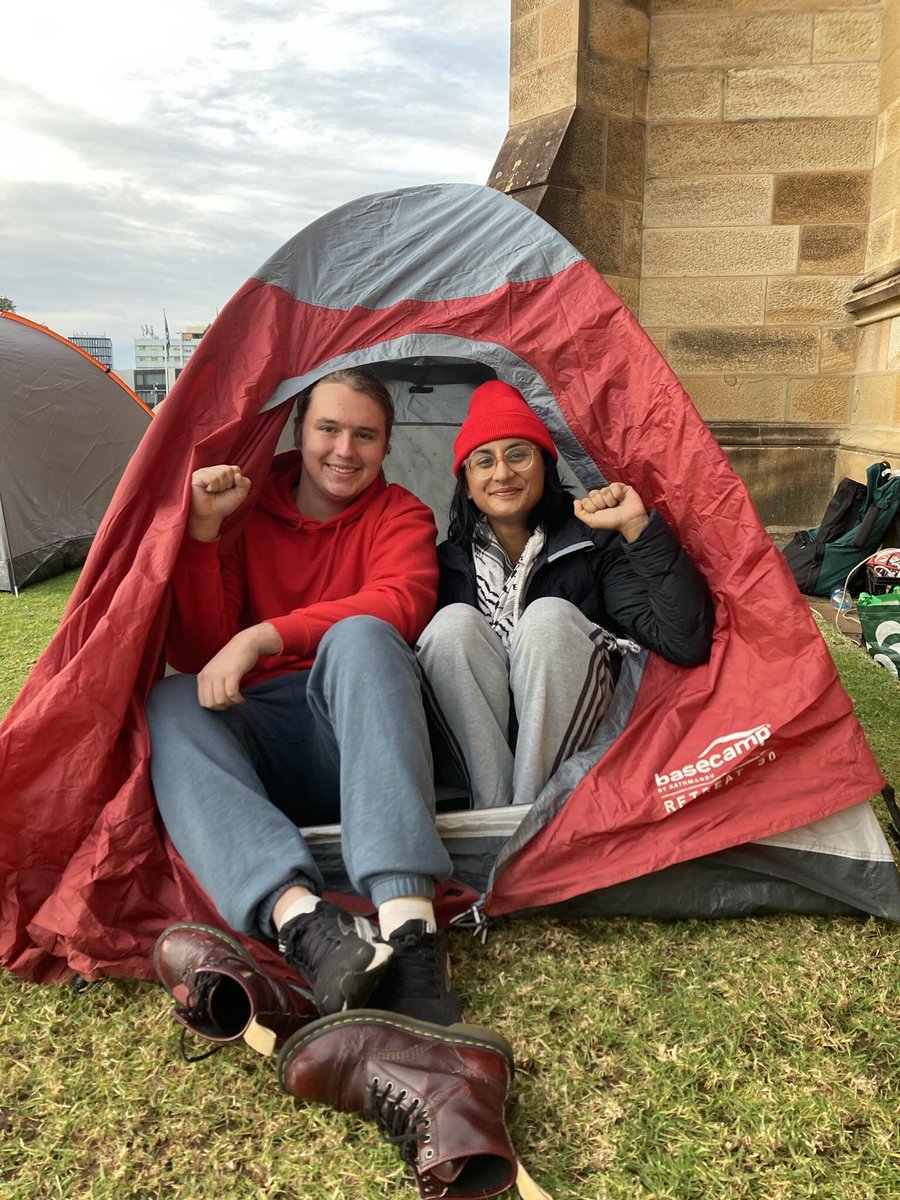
(477, 1036)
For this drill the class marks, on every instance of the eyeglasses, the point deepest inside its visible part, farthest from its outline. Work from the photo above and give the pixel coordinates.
(482, 464)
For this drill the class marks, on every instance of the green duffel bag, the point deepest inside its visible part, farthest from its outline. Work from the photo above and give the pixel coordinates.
(879, 617)
(854, 524)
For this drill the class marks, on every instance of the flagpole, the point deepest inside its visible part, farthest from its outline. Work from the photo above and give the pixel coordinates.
(166, 327)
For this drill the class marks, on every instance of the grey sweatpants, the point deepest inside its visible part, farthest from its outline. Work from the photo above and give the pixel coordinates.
(344, 741)
(555, 682)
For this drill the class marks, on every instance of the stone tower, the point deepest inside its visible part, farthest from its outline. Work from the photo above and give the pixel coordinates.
(732, 168)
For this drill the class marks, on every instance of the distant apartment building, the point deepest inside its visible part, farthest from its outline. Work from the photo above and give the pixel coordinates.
(99, 346)
(158, 361)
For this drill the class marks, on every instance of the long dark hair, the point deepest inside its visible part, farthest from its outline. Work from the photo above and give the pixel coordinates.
(555, 505)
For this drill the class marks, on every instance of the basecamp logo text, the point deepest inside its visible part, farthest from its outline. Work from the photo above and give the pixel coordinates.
(722, 759)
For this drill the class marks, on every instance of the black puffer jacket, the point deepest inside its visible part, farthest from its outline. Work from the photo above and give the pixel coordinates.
(648, 589)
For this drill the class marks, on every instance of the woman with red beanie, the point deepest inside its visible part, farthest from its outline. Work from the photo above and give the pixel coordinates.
(539, 595)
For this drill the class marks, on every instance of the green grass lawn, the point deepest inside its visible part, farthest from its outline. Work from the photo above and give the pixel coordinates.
(689, 1060)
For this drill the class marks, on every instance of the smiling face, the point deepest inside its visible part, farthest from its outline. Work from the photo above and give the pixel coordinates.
(342, 441)
(506, 496)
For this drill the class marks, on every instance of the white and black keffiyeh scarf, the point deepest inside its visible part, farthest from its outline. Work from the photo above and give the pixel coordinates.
(500, 583)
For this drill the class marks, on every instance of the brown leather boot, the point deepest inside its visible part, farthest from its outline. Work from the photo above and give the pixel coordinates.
(437, 1092)
(222, 994)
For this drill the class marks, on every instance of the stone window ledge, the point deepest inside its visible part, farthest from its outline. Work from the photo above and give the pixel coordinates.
(775, 433)
(876, 296)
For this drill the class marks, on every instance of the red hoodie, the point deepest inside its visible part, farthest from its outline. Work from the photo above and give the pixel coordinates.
(376, 558)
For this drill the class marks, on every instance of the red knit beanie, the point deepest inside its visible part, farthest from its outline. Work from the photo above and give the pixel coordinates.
(496, 411)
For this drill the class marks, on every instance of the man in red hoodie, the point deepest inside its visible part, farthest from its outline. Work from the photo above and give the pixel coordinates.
(299, 703)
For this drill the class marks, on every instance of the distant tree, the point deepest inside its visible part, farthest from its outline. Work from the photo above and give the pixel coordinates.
(6, 305)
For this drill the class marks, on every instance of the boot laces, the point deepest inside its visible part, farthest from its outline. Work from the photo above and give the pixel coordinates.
(197, 1009)
(194, 1058)
(405, 1125)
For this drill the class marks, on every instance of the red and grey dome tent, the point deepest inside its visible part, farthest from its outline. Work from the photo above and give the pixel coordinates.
(737, 787)
(67, 429)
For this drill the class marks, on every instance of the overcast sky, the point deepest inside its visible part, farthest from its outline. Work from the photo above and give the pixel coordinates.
(155, 156)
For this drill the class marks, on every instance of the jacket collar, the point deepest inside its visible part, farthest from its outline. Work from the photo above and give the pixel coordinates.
(570, 536)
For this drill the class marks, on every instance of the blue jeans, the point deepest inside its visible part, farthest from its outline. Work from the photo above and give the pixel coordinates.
(346, 740)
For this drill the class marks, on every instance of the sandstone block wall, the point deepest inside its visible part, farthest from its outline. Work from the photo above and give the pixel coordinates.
(761, 130)
(761, 214)
(732, 167)
(576, 148)
(874, 424)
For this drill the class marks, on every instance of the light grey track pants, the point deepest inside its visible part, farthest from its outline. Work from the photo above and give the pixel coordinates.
(555, 681)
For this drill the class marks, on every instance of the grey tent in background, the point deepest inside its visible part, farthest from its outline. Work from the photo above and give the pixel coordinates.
(67, 431)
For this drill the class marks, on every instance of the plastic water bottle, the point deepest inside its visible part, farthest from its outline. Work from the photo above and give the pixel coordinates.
(841, 599)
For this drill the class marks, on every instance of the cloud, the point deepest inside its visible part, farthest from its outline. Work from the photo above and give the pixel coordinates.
(170, 189)
(258, 10)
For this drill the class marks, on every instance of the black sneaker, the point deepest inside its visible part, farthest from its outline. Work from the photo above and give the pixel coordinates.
(339, 955)
(417, 982)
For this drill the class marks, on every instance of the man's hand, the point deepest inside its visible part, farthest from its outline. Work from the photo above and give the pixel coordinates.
(216, 492)
(615, 507)
(219, 683)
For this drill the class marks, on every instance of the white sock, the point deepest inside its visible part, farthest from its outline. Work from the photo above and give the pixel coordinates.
(305, 904)
(394, 913)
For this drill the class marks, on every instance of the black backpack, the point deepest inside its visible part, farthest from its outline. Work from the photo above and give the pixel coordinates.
(856, 517)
